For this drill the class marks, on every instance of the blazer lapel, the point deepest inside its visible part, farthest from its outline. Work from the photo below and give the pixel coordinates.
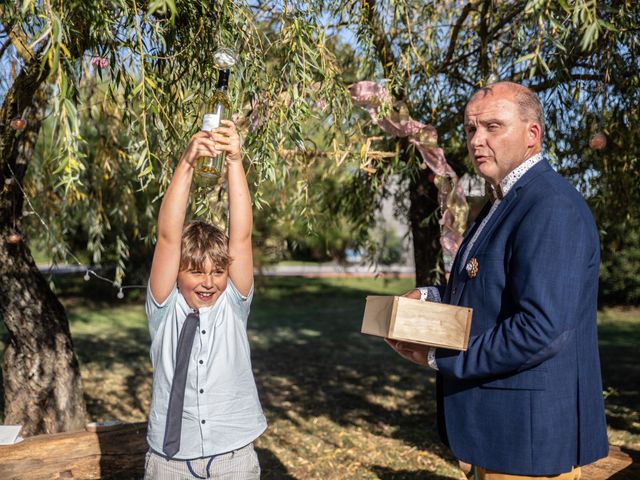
(455, 268)
(460, 275)
(505, 206)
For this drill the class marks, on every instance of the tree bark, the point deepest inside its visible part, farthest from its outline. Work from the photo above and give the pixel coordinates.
(41, 375)
(425, 229)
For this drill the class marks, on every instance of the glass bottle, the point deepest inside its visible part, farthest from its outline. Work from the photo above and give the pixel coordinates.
(217, 108)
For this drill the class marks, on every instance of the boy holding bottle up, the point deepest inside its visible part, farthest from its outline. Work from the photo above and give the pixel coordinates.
(205, 412)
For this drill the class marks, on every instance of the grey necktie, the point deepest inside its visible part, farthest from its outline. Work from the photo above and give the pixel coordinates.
(171, 443)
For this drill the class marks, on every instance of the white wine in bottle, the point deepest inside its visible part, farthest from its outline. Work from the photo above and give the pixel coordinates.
(217, 108)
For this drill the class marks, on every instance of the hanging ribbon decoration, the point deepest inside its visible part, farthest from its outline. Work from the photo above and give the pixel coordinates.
(453, 204)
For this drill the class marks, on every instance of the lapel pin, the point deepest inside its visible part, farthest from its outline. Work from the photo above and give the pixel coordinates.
(472, 267)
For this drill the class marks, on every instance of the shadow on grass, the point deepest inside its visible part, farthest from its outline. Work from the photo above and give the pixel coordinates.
(385, 473)
(310, 357)
(126, 352)
(619, 342)
(271, 468)
(310, 360)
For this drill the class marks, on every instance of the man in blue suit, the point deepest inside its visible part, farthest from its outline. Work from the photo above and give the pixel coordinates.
(525, 399)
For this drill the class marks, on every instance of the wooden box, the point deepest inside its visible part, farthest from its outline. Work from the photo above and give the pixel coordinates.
(427, 323)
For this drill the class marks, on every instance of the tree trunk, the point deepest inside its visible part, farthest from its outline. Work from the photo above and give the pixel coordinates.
(425, 229)
(41, 375)
(423, 194)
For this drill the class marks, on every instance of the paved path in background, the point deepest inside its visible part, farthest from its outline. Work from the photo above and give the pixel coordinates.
(318, 270)
(337, 270)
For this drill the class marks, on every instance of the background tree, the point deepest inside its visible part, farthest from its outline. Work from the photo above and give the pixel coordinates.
(581, 57)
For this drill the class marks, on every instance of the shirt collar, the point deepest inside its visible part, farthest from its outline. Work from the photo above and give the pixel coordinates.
(516, 174)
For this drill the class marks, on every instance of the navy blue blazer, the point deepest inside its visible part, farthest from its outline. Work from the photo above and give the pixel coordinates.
(526, 397)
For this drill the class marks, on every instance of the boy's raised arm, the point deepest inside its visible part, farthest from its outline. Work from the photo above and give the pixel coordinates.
(166, 256)
(240, 213)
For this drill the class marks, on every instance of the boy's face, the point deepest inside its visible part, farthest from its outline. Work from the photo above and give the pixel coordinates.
(202, 288)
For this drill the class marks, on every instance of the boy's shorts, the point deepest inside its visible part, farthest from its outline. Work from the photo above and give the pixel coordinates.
(240, 464)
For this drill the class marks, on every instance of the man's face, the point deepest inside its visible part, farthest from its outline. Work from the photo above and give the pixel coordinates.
(202, 288)
(498, 139)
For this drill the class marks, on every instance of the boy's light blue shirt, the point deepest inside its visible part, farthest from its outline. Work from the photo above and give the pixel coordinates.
(222, 411)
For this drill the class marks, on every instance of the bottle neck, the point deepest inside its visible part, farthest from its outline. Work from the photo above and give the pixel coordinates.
(223, 80)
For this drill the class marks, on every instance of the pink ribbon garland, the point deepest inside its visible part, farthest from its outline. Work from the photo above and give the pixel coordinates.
(452, 201)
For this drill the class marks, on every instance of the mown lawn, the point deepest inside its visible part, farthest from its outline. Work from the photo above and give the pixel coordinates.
(341, 405)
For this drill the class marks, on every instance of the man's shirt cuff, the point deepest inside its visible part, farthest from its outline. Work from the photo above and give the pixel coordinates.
(430, 294)
(431, 358)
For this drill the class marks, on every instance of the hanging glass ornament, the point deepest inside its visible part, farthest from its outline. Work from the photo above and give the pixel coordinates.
(14, 238)
(598, 141)
(18, 124)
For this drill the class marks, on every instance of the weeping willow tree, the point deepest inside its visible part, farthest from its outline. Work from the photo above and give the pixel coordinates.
(107, 94)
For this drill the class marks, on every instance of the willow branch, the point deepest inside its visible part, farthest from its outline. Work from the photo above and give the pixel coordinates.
(19, 40)
(384, 50)
(456, 31)
(538, 87)
(484, 39)
(491, 35)
(5, 45)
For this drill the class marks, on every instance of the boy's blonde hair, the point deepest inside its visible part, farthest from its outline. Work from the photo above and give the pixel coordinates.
(201, 240)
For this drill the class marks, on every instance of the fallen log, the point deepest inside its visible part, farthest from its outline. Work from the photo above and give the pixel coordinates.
(110, 452)
(618, 465)
(117, 452)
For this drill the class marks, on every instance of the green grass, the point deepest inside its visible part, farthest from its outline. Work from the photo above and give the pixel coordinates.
(340, 404)
(619, 339)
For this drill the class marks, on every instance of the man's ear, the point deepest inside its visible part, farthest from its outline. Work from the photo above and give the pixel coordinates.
(534, 135)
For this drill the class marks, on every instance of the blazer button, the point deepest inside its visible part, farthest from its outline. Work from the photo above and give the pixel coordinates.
(454, 290)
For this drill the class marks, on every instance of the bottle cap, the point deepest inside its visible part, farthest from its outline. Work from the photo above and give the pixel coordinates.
(224, 58)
